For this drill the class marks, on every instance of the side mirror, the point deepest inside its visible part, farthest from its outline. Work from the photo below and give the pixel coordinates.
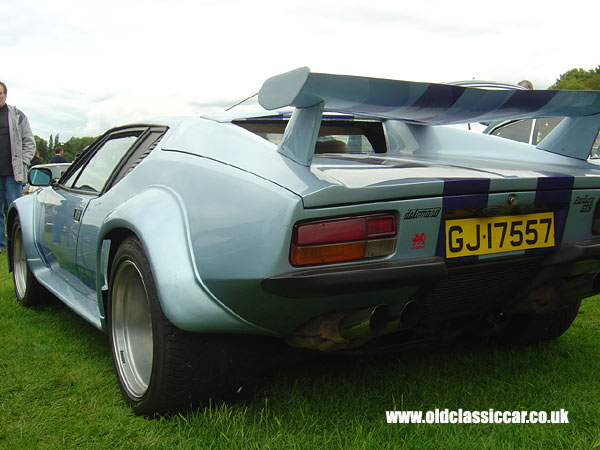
(39, 176)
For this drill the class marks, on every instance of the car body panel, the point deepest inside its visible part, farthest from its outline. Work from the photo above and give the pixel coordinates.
(426, 104)
(320, 187)
(176, 274)
(215, 206)
(60, 284)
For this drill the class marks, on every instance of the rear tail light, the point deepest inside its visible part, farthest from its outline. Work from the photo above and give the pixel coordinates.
(596, 220)
(347, 239)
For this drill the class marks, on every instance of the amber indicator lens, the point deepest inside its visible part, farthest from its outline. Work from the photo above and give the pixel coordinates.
(346, 239)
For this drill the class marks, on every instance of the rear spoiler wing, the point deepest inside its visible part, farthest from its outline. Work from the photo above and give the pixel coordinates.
(424, 104)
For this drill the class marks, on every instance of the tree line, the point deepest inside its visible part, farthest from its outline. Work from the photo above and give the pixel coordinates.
(579, 79)
(71, 148)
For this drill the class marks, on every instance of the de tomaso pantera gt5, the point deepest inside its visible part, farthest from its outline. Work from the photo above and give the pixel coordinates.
(342, 214)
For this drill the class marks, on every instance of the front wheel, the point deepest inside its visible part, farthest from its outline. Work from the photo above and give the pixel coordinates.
(160, 368)
(28, 290)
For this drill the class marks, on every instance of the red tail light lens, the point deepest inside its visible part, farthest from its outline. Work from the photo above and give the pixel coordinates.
(381, 226)
(328, 232)
(346, 239)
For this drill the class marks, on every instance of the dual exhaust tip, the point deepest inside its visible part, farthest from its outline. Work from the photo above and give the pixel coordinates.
(342, 329)
(378, 320)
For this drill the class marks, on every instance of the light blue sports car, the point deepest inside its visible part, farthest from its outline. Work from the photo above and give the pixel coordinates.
(339, 216)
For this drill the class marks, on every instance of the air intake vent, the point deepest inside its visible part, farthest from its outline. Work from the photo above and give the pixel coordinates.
(469, 290)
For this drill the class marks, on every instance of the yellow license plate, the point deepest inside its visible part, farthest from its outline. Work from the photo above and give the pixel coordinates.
(486, 235)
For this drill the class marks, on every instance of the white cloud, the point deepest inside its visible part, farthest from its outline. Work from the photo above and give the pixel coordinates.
(78, 68)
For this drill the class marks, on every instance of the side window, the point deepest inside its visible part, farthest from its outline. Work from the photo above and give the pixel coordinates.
(543, 127)
(94, 175)
(517, 131)
(68, 181)
(143, 148)
(72, 172)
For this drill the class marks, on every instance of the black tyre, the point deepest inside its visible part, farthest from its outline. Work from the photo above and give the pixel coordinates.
(28, 290)
(160, 368)
(526, 329)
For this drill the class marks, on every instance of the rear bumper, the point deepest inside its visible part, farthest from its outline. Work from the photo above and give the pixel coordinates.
(565, 262)
(575, 251)
(324, 281)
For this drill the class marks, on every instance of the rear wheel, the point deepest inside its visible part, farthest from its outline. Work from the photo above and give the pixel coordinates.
(524, 329)
(28, 290)
(159, 367)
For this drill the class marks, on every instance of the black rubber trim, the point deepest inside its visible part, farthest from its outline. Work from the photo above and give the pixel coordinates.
(575, 251)
(356, 277)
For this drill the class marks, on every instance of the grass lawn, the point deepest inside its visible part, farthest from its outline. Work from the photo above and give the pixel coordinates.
(58, 390)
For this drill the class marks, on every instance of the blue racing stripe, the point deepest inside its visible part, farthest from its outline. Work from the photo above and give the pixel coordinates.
(553, 198)
(555, 182)
(554, 193)
(522, 102)
(416, 102)
(437, 99)
(460, 202)
(462, 186)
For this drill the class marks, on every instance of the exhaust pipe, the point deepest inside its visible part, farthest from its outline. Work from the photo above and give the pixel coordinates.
(409, 316)
(404, 317)
(364, 323)
(372, 322)
(342, 329)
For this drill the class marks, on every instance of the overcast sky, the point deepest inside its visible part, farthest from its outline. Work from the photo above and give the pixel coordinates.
(79, 67)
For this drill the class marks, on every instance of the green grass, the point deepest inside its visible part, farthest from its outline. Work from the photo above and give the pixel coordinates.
(58, 390)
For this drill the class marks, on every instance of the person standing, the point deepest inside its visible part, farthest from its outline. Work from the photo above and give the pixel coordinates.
(526, 84)
(58, 156)
(17, 147)
(35, 160)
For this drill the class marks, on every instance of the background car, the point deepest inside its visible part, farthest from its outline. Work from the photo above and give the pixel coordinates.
(339, 216)
(529, 131)
(533, 131)
(56, 169)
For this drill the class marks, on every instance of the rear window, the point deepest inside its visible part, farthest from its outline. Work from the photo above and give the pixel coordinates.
(517, 131)
(335, 136)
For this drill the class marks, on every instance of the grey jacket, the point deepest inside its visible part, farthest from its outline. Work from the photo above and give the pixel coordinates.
(22, 143)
